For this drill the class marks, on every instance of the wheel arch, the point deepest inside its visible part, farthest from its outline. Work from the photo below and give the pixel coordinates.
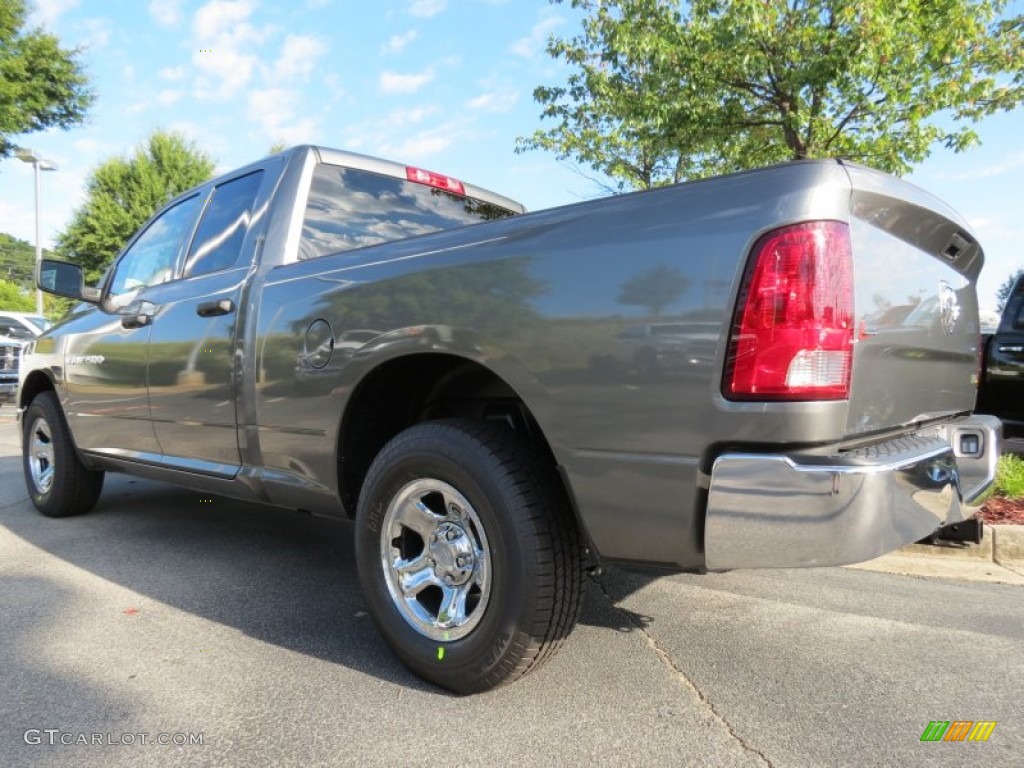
(36, 382)
(403, 391)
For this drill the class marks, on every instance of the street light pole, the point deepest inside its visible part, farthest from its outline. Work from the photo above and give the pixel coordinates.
(38, 164)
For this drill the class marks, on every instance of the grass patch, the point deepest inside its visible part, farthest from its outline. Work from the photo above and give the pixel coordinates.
(1010, 477)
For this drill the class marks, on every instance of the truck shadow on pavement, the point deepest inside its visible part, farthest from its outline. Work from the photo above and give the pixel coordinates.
(279, 576)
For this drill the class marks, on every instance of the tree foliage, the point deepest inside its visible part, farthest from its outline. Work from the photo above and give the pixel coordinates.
(658, 93)
(15, 298)
(123, 192)
(17, 260)
(1005, 288)
(654, 289)
(41, 84)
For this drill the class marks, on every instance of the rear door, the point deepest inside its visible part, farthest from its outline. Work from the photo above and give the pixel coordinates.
(193, 349)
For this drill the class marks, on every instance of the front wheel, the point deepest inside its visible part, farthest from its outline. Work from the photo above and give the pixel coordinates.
(58, 483)
(468, 554)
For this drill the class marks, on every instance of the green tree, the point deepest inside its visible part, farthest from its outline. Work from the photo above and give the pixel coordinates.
(15, 298)
(17, 260)
(121, 193)
(658, 93)
(1003, 292)
(654, 289)
(41, 84)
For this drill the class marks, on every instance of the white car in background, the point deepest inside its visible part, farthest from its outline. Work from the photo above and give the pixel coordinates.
(16, 328)
(10, 352)
(22, 326)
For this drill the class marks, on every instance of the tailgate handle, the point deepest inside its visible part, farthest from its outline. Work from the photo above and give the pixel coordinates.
(1011, 347)
(215, 308)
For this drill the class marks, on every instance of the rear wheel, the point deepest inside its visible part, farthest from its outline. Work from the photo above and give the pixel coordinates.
(58, 483)
(468, 554)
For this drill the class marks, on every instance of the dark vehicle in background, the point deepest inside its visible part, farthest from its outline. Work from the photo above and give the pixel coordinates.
(1001, 390)
(362, 339)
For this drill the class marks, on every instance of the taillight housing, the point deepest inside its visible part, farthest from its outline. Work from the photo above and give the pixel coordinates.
(792, 333)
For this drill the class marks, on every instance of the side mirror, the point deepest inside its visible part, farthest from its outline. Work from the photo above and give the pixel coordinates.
(62, 278)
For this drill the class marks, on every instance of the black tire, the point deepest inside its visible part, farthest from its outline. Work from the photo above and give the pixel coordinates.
(535, 551)
(71, 488)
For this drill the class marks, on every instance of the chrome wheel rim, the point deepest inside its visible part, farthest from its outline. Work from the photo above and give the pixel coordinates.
(436, 560)
(41, 463)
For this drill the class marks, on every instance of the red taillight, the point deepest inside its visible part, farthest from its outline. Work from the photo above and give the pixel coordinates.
(792, 335)
(432, 179)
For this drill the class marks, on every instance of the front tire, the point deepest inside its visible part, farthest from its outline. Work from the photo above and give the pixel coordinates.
(468, 553)
(58, 483)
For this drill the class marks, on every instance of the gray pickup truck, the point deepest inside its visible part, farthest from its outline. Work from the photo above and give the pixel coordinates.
(361, 339)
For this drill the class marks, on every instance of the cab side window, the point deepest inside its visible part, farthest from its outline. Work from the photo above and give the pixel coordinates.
(152, 257)
(218, 241)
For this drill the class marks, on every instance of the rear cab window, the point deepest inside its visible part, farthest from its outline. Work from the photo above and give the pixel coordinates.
(352, 208)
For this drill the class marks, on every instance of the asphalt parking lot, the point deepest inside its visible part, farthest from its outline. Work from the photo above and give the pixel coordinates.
(168, 612)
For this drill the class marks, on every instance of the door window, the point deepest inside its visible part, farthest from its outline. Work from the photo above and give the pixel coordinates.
(151, 258)
(218, 241)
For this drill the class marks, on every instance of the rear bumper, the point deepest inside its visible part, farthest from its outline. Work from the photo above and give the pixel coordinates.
(783, 511)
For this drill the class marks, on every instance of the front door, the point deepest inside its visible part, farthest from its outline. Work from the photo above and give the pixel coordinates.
(106, 351)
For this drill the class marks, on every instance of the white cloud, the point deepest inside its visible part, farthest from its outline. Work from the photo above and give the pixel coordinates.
(225, 41)
(298, 57)
(423, 145)
(392, 82)
(494, 101)
(168, 97)
(420, 146)
(427, 8)
(218, 17)
(396, 43)
(1009, 163)
(273, 109)
(166, 13)
(533, 44)
(411, 116)
(95, 33)
(189, 130)
(172, 73)
(48, 11)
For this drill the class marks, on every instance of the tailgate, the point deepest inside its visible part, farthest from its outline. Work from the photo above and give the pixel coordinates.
(917, 334)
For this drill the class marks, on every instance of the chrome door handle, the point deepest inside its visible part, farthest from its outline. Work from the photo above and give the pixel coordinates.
(215, 308)
(136, 321)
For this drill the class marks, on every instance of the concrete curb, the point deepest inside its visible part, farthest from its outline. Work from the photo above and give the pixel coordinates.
(999, 559)
(1008, 545)
(1002, 544)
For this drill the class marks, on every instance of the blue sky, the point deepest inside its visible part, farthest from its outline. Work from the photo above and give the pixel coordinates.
(445, 84)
